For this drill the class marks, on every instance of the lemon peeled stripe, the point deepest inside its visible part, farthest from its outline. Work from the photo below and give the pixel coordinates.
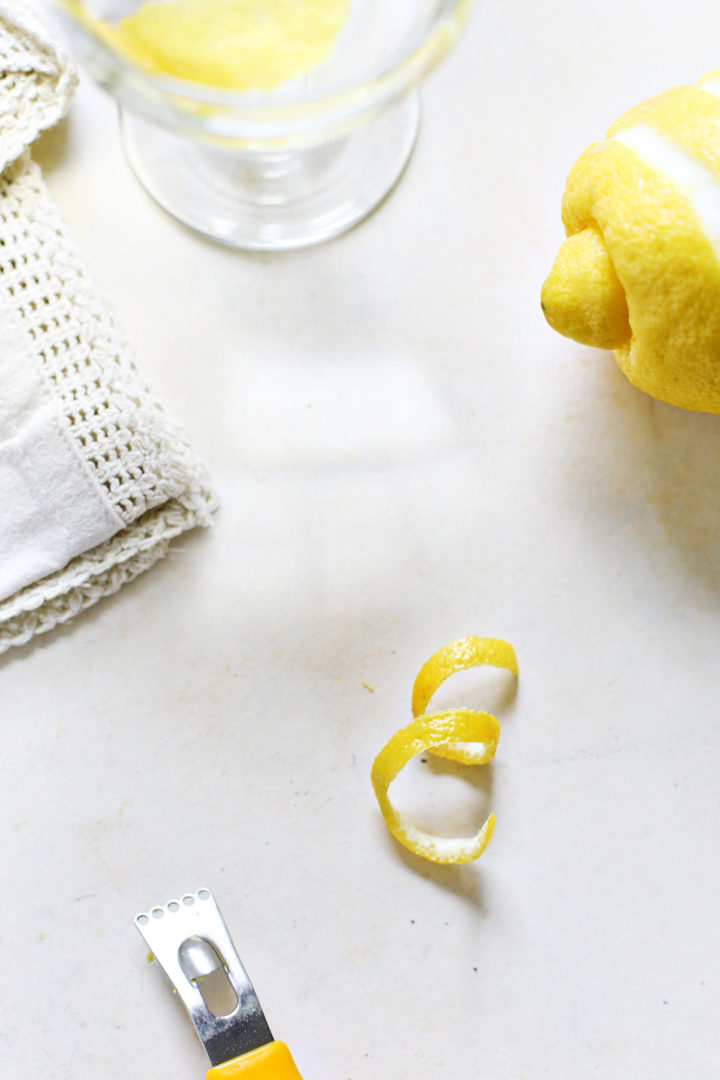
(464, 735)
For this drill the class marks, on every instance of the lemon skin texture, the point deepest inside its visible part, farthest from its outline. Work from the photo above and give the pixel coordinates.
(640, 270)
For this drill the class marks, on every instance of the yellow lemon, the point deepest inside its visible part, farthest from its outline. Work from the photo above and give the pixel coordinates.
(640, 269)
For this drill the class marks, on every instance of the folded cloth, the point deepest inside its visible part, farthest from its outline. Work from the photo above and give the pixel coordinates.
(95, 481)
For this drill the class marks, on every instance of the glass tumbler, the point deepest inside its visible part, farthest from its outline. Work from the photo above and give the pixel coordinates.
(282, 168)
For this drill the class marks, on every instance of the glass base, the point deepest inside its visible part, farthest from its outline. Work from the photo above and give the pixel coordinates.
(273, 201)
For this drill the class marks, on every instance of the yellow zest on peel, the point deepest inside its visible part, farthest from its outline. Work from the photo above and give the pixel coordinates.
(459, 655)
(424, 733)
(464, 735)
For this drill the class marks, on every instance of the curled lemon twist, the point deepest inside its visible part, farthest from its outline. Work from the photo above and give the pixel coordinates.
(464, 735)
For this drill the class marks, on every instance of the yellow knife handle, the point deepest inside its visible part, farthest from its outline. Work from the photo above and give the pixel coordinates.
(271, 1062)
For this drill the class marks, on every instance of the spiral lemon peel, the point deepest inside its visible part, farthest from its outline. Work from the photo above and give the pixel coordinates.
(427, 732)
(465, 735)
(459, 655)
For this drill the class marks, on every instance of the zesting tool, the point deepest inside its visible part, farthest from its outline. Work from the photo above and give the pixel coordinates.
(190, 941)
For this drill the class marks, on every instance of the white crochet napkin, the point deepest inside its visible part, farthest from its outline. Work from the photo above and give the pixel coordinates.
(94, 479)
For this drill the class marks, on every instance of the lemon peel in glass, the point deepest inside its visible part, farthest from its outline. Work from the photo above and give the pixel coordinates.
(468, 736)
(235, 44)
(459, 655)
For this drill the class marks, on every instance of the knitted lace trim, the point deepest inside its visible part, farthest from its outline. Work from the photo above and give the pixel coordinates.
(36, 80)
(138, 456)
(151, 477)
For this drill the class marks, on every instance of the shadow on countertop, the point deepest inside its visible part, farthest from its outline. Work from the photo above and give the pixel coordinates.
(51, 146)
(637, 480)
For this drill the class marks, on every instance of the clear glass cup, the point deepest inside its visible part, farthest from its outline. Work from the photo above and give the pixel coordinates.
(273, 170)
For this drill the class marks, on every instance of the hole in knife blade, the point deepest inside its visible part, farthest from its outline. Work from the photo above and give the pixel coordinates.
(205, 968)
(218, 994)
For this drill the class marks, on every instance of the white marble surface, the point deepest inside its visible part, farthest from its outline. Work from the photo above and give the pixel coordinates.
(405, 454)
